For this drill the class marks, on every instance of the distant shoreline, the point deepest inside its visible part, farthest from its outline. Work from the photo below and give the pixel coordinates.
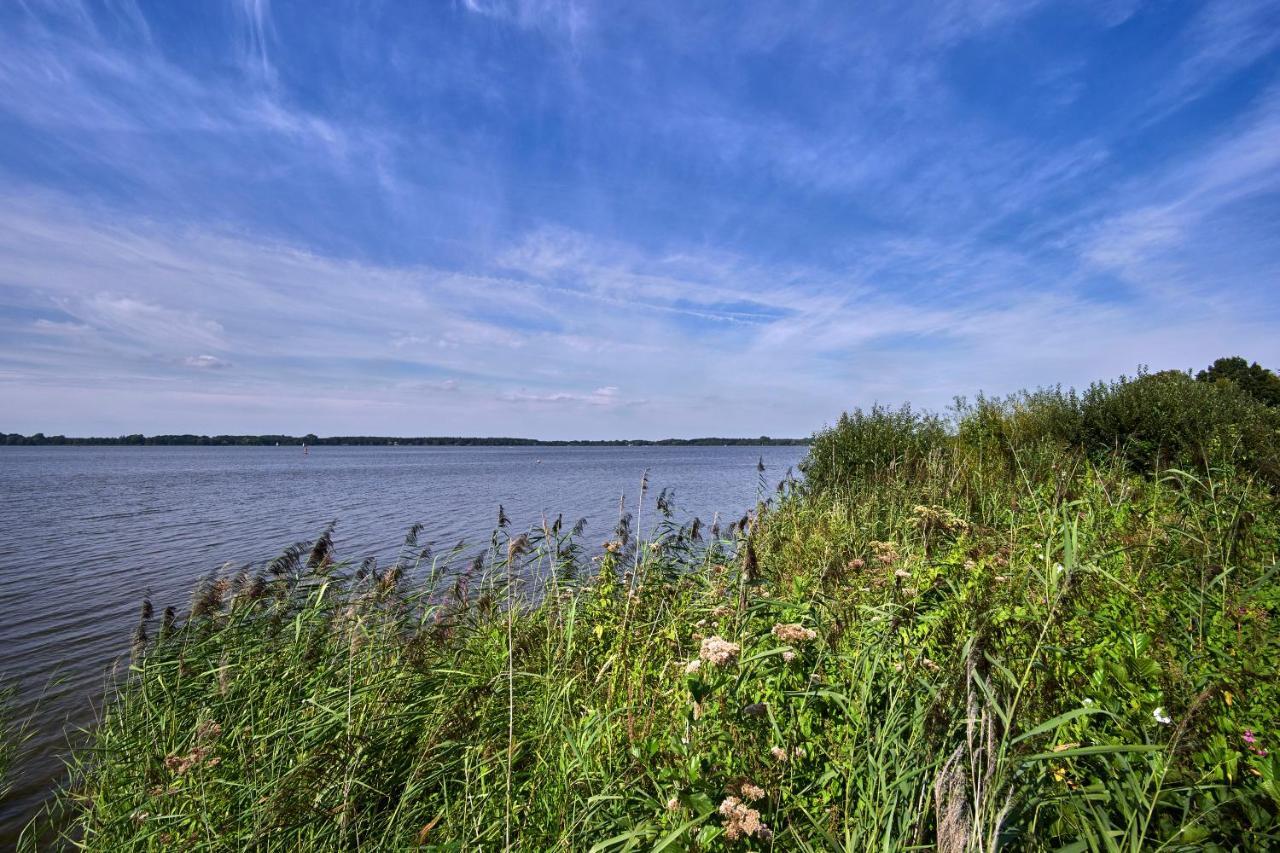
(185, 440)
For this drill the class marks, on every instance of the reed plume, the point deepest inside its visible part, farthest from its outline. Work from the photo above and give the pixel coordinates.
(288, 560)
(411, 538)
(322, 551)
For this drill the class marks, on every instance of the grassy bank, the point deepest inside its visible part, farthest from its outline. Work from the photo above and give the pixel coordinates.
(1047, 623)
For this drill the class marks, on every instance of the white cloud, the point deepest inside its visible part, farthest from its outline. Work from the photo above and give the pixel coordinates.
(206, 362)
(733, 259)
(255, 16)
(1152, 220)
(608, 396)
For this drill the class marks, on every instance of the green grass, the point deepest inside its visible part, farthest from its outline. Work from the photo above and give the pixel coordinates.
(1019, 640)
(12, 735)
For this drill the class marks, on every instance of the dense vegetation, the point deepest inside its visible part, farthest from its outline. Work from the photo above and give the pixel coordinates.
(40, 439)
(1047, 623)
(1254, 379)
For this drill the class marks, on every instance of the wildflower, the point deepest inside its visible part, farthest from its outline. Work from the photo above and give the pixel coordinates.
(929, 665)
(970, 565)
(886, 552)
(139, 816)
(1251, 739)
(701, 623)
(1161, 717)
(692, 667)
(1002, 578)
(722, 611)
(1088, 703)
(909, 591)
(673, 804)
(857, 563)
(794, 633)
(902, 574)
(788, 656)
(798, 752)
(751, 792)
(718, 651)
(741, 821)
(778, 753)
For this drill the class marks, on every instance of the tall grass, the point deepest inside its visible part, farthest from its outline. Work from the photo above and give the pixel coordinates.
(964, 636)
(13, 733)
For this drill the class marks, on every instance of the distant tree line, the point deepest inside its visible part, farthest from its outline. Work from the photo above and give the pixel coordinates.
(358, 440)
(1254, 380)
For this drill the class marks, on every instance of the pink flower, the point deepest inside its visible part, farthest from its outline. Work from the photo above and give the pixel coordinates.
(718, 651)
(742, 821)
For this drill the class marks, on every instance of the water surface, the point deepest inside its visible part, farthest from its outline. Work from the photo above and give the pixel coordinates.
(86, 532)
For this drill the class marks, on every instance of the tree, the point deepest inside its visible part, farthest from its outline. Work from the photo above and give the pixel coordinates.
(1254, 379)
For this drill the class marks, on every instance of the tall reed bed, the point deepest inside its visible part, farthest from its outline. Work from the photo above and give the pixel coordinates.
(985, 637)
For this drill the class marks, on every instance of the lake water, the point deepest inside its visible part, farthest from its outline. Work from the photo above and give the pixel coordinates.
(86, 532)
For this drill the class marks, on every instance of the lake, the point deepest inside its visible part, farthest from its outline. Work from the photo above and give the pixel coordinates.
(87, 532)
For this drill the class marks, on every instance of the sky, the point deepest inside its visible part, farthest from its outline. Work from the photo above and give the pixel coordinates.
(582, 219)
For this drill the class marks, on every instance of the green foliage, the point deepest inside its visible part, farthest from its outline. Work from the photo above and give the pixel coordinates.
(882, 443)
(11, 737)
(1153, 421)
(1164, 419)
(1255, 380)
(1024, 632)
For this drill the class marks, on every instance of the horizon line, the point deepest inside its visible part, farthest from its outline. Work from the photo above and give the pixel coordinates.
(40, 438)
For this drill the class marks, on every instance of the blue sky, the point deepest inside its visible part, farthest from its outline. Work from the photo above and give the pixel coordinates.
(604, 219)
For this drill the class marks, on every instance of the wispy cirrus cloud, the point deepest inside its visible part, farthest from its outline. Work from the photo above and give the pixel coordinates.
(566, 219)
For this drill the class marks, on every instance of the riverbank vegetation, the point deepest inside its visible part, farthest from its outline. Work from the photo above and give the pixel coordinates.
(1047, 622)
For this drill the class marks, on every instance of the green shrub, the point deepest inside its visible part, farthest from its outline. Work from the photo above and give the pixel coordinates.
(875, 444)
(1154, 421)
(1167, 419)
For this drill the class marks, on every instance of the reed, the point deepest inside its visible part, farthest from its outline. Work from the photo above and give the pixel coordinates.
(980, 636)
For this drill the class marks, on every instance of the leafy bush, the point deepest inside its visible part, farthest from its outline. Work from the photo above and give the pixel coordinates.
(1154, 421)
(1167, 419)
(876, 444)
